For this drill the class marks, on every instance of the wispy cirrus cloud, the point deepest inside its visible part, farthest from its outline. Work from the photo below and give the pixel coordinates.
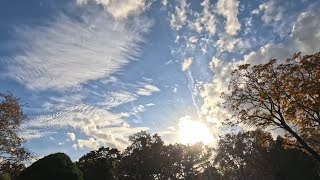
(69, 51)
(102, 127)
(115, 99)
(28, 134)
(95, 120)
(120, 9)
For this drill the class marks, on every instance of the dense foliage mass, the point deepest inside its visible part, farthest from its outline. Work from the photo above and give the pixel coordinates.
(52, 167)
(243, 155)
(5, 177)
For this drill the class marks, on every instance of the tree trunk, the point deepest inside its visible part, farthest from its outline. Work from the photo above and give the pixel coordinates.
(303, 143)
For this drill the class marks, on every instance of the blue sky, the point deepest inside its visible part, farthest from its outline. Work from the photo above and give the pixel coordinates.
(92, 72)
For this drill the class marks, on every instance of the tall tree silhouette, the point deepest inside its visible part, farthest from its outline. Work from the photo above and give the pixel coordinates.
(141, 160)
(100, 164)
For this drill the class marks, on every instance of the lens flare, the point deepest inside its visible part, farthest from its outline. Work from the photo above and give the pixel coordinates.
(191, 132)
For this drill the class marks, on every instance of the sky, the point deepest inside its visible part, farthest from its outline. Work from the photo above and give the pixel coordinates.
(92, 72)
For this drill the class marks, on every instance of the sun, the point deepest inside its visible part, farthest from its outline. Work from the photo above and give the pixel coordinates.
(191, 132)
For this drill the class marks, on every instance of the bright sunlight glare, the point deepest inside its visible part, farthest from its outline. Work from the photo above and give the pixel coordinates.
(191, 132)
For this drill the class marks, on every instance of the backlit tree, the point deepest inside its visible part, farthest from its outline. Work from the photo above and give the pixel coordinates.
(279, 95)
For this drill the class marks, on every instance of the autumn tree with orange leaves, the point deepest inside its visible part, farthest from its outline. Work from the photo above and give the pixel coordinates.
(279, 95)
(12, 152)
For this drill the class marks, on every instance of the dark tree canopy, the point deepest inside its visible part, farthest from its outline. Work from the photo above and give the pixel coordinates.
(148, 158)
(255, 155)
(52, 167)
(5, 177)
(12, 152)
(242, 155)
(291, 163)
(249, 155)
(285, 96)
(100, 164)
(141, 160)
(246, 156)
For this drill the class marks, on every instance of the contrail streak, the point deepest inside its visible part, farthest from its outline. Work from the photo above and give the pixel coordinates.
(191, 89)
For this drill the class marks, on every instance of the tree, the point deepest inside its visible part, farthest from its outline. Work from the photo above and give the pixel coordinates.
(142, 159)
(170, 162)
(13, 169)
(291, 163)
(100, 164)
(5, 177)
(255, 155)
(195, 158)
(11, 116)
(285, 96)
(147, 158)
(180, 161)
(210, 173)
(244, 155)
(52, 167)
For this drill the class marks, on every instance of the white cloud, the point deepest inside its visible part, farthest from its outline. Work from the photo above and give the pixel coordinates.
(229, 9)
(212, 91)
(147, 90)
(68, 52)
(82, 2)
(170, 135)
(227, 44)
(272, 11)
(175, 90)
(29, 134)
(90, 143)
(186, 64)
(71, 136)
(248, 25)
(120, 9)
(205, 20)
(231, 44)
(150, 104)
(136, 110)
(304, 37)
(139, 109)
(62, 102)
(165, 2)
(101, 126)
(108, 80)
(115, 99)
(179, 17)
